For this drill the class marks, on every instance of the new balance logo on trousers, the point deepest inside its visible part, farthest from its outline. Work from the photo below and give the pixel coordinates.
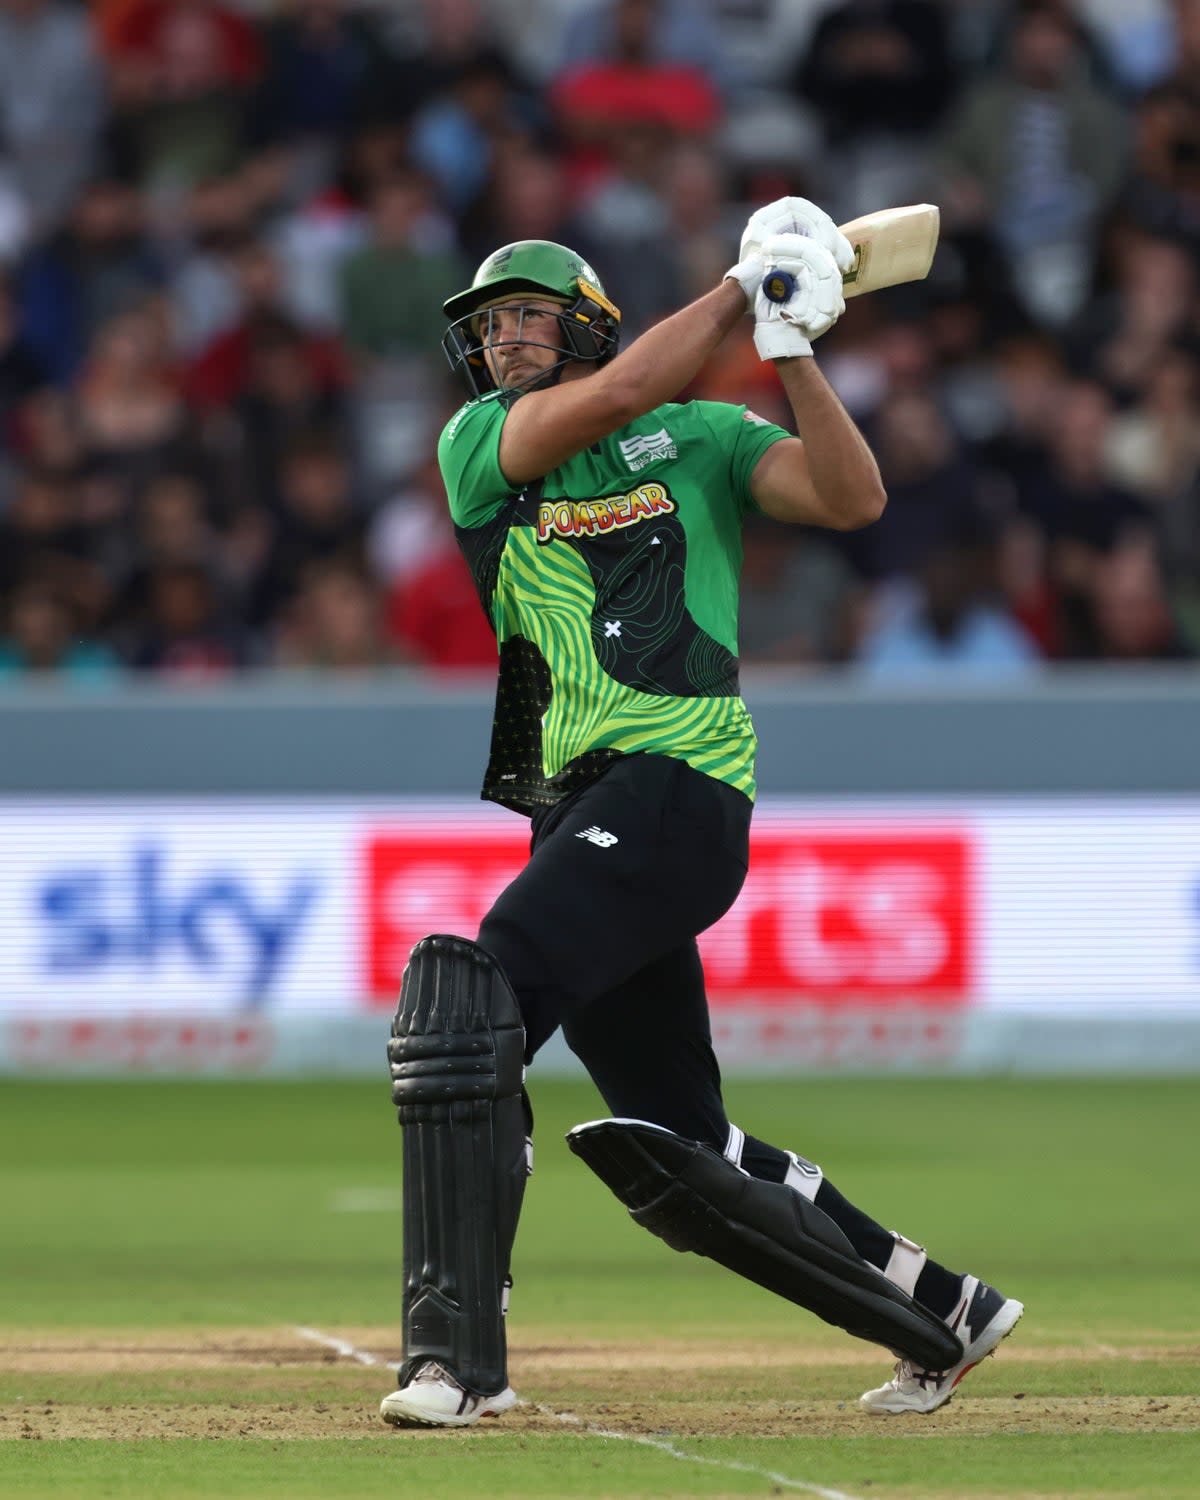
(598, 837)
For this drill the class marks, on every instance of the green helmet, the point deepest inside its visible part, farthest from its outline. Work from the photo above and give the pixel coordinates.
(589, 323)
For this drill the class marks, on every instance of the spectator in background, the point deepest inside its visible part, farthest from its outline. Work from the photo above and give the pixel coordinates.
(288, 390)
(317, 518)
(39, 528)
(1032, 378)
(797, 597)
(626, 218)
(527, 198)
(22, 372)
(455, 138)
(948, 622)
(130, 411)
(699, 220)
(394, 287)
(1137, 38)
(333, 623)
(1036, 154)
(1185, 65)
(1025, 586)
(44, 536)
(431, 611)
(45, 436)
(879, 74)
(629, 89)
(1153, 447)
(1124, 335)
(432, 41)
(930, 484)
(1163, 194)
(326, 72)
(220, 375)
(408, 529)
(667, 35)
(51, 105)
(1129, 617)
(181, 73)
(171, 526)
(434, 618)
(183, 631)
(40, 639)
(98, 265)
(1078, 508)
(1074, 499)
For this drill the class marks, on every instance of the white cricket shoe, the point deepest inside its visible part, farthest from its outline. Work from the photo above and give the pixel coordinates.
(982, 1317)
(433, 1398)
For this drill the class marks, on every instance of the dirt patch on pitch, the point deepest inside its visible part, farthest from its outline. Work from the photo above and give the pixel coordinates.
(101, 1353)
(672, 1420)
(275, 1384)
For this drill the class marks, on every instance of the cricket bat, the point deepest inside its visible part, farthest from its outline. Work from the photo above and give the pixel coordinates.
(891, 246)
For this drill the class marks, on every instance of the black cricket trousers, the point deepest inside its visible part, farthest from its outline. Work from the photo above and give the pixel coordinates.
(598, 934)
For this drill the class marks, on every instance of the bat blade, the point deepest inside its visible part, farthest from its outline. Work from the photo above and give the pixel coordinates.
(891, 246)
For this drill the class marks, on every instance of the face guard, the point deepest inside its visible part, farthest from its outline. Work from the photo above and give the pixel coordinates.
(588, 325)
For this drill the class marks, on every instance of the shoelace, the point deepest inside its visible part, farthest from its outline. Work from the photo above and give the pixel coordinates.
(907, 1372)
(435, 1374)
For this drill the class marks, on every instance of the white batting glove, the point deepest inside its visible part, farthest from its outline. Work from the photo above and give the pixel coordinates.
(785, 330)
(748, 273)
(795, 216)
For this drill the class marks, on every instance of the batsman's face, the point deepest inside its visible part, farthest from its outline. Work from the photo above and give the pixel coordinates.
(521, 340)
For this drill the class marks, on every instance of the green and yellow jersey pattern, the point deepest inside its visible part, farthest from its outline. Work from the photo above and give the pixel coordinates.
(612, 585)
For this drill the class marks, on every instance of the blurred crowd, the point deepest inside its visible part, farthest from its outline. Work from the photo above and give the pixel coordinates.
(227, 228)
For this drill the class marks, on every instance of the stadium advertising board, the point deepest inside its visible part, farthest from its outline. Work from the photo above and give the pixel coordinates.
(173, 929)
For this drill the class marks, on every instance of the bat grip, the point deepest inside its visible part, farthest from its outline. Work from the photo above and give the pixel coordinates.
(778, 286)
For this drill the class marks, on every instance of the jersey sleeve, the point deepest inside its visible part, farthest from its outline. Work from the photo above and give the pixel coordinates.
(468, 455)
(744, 437)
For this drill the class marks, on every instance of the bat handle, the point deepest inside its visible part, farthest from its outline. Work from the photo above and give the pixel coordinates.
(778, 286)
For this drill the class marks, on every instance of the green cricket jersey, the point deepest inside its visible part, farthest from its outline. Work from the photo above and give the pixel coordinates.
(612, 585)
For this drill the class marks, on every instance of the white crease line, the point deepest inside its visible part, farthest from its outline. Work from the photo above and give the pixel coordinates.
(339, 1346)
(692, 1458)
(349, 1351)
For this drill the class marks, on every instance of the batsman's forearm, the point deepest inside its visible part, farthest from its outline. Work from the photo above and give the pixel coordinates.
(843, 468)
(667, 357)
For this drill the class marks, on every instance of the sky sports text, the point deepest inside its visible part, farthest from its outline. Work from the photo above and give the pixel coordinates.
(133, 914)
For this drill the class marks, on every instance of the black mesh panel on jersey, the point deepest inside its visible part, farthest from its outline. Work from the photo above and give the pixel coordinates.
(515, 774)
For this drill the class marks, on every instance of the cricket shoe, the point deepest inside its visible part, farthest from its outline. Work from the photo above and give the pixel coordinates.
(433, 1398)
(981, 1318)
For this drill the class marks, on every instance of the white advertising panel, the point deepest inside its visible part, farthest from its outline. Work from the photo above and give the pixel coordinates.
(888, 925)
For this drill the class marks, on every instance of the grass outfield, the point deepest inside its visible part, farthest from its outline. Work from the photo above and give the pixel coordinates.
(163, 1245)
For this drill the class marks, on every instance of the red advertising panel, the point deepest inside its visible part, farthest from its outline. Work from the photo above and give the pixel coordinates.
(869, 913)
(873, 913)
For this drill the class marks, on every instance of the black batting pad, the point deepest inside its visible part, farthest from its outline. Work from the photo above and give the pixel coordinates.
(693, 1198)
(456, 1060)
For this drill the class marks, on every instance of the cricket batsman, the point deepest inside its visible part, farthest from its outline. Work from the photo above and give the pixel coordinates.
(602, 521)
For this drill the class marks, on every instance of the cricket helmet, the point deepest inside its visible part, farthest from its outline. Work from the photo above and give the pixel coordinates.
(589, 324)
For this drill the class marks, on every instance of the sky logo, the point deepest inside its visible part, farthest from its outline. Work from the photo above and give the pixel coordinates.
(97, 918)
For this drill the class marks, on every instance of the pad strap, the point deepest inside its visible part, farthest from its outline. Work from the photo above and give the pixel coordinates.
(456, 1056)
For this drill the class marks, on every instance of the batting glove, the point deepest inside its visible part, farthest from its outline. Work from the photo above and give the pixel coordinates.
(748, 273)
(795, 216)
(785, 330)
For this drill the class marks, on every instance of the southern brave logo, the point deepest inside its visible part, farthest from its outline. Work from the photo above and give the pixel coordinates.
(638, 451)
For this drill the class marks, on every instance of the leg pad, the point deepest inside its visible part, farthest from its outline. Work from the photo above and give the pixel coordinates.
(696, 1200)
(456, 1062)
